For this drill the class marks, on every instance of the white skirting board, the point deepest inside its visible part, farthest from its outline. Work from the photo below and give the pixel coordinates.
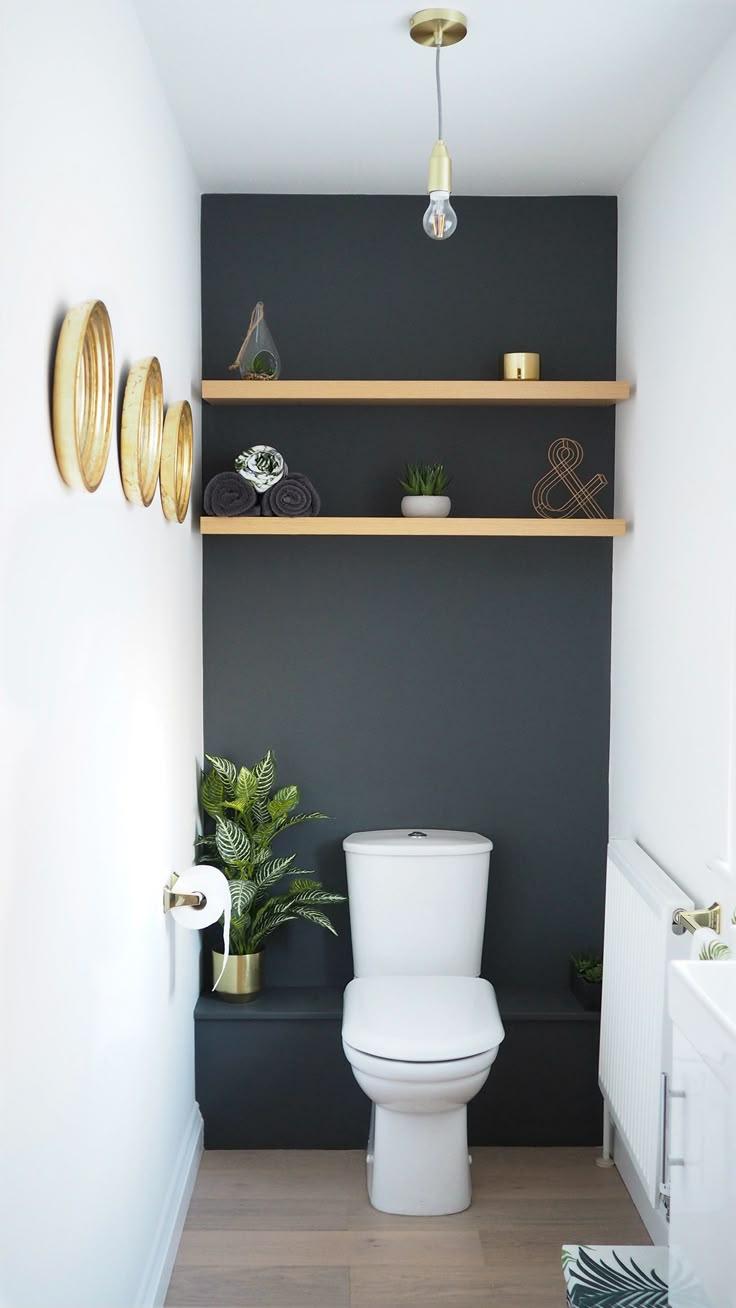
(653, 1218)
(155, 1280)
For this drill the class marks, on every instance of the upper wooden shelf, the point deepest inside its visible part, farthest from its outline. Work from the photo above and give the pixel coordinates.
(398, 526)
(589, 393)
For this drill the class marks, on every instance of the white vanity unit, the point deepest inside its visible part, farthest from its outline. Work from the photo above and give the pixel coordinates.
(702, 1135)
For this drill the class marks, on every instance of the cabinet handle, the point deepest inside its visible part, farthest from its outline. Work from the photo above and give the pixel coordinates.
(675, 1162)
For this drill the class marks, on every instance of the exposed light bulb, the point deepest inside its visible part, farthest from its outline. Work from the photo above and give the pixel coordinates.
(440, 220)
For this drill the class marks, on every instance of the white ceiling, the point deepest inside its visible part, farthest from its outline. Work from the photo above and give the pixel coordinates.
(543, 96)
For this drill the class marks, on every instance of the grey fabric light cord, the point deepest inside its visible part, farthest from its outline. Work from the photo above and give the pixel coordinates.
(439, 93)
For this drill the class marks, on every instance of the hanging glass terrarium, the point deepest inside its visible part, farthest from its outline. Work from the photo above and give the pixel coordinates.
(258, 359)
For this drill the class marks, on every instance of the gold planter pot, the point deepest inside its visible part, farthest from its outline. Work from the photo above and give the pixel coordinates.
(241, 980)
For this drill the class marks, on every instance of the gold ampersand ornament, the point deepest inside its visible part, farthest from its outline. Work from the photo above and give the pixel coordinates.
(565, 455)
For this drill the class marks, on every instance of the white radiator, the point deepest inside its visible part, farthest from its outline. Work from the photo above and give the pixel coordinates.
(635, 1030)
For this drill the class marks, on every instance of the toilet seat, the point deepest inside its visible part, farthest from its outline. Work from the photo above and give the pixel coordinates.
(418, 1075)
(421, 1019)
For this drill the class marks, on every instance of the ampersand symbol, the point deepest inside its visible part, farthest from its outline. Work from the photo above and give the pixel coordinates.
(564, 456)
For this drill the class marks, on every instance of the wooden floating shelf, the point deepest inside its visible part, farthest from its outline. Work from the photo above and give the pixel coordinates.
(413, 526)
(590, 393)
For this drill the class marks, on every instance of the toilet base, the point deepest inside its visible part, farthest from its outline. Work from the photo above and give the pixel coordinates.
(418, 1163)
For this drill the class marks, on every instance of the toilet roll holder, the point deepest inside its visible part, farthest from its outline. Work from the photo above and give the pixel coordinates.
(173, 900)
(691, 919)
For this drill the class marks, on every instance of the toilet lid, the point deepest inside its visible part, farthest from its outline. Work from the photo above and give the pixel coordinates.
(421, 1019)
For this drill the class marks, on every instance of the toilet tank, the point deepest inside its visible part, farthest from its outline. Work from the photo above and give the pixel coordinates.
(417, 901)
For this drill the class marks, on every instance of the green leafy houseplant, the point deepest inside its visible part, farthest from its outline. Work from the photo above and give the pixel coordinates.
(248, 815)
(588, 967)
(425, 479)
(586, 975)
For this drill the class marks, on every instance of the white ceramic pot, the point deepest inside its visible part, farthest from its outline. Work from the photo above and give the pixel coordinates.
(425, 506)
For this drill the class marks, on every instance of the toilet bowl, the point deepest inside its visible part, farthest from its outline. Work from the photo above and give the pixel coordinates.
(449, 1030)
(421, 1029)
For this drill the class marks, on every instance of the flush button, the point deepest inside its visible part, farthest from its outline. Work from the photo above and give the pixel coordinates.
(417, 835)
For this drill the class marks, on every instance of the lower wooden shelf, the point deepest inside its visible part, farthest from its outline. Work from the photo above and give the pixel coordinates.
(413, 526)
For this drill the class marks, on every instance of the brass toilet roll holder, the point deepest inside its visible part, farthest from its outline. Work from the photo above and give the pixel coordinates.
(174, 900)
(691, 919)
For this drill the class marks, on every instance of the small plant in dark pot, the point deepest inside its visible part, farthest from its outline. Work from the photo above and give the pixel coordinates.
(248, 815)
(586, 980)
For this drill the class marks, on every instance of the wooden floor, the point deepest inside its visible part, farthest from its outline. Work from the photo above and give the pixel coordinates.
(294, 1229)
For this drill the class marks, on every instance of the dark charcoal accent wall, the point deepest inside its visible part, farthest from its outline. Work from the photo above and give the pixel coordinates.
(542, 1088)
(353, 287)
(450, 683)
(458, 683)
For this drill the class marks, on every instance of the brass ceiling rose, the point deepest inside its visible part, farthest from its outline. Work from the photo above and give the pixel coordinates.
(434, 27)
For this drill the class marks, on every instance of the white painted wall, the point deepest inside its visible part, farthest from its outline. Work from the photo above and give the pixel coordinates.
(674, 660)
(100, 674)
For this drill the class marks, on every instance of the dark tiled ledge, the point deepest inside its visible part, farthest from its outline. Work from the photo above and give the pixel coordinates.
(310, 1003)
(278, 1003)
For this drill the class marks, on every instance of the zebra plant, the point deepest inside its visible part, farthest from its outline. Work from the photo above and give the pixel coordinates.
(248, 815)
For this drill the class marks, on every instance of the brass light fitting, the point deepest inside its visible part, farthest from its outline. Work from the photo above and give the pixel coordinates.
(436, 28)
(440, 169)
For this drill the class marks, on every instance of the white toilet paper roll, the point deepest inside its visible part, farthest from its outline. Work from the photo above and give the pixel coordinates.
(704, 937)
(210, 882)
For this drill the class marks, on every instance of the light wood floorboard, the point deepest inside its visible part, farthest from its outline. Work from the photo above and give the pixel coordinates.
(328, 1248)
(414, 1287)
(262, 1287)
(277, 1229)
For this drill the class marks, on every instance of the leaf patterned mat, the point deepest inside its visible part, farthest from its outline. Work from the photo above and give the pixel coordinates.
(621, 1276)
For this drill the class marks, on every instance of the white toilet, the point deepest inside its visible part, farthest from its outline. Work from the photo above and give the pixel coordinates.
(420, 1028)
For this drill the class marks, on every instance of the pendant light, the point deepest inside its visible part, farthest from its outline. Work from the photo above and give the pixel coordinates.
(437, 28)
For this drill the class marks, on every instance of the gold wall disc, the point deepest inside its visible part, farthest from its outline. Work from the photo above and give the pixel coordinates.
(176, 461)
(83, 393)
(438, 27)
(142, 431)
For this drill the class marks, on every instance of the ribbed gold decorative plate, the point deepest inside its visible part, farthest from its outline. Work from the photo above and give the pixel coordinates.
(83, 394)
(142, 431)
(176, 461)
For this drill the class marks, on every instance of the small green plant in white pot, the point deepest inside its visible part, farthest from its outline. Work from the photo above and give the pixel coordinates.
(425, 485)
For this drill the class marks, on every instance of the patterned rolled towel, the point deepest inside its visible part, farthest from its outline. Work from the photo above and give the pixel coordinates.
(292, 497)
(228, 495)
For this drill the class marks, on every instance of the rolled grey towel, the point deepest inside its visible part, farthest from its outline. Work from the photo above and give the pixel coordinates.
(228, 495)
(292, 497)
